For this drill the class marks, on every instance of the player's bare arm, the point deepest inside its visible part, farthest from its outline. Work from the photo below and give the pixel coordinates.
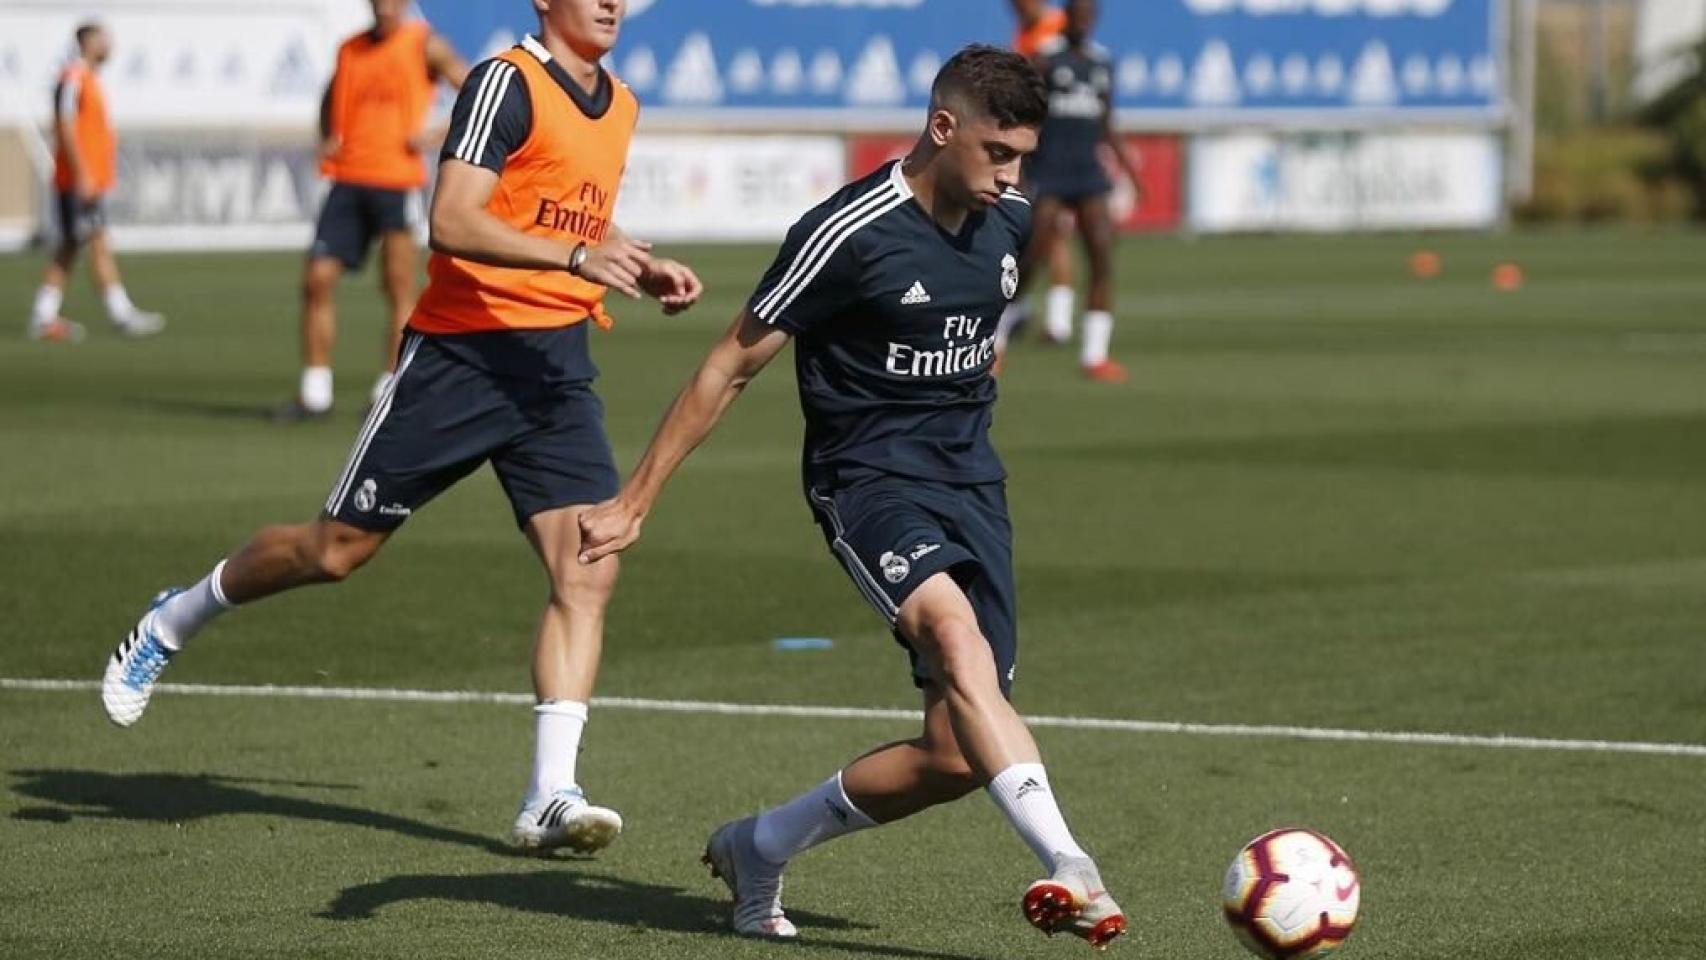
(329, 141)
(65, 128)
(462, 227)
(1122, 154)
(745, 350)
(446, 66)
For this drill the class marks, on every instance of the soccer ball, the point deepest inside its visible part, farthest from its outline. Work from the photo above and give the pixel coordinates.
(1292, 895)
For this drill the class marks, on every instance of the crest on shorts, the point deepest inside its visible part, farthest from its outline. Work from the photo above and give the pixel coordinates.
(366, 495)
(1009, 276)
(895, 567)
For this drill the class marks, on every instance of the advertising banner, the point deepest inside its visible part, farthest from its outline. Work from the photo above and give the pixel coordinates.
(1352, 181)
(681, 188)
(1177, 62)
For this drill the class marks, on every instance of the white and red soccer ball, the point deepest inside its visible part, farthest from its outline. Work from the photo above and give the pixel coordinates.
(1292, 895)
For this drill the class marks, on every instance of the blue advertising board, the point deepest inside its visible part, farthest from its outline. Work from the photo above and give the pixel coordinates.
(1183, 62)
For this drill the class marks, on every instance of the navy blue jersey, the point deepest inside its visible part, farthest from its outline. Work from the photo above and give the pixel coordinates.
(894, 323)
(1080, 83)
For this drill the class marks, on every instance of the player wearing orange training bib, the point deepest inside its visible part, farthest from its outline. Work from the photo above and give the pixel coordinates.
(85, 169)
(495, 368)
(373, 142)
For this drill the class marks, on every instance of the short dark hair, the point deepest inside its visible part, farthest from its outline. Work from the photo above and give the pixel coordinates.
(1000, 83)
(85, 31)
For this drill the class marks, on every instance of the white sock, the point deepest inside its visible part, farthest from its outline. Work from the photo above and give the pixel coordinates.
(48, 301)
(1010, 318)
(316, 390)
(181, 617)
(119, 307)
(1098, 333)
(1060, 312)
(818, 815)
(380, 386)
(557, 727)
(1022, 792)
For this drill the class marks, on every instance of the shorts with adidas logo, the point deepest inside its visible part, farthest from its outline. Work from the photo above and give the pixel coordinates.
(892, 533)
(460, 401)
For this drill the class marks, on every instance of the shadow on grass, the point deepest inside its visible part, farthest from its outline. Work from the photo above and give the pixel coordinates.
(598, 898)
(177, 797)
(210, 409)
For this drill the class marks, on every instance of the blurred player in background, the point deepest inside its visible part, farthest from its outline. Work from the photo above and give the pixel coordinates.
(890, 291)
(1039, 24)
(373, 143)
(495, 368)
(1067, 175)
(85, 168)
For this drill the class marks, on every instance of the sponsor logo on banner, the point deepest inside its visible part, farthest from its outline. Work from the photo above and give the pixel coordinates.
(1344, 181)
(725, 188)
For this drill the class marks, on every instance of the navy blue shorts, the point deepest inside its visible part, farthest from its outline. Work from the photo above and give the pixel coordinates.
(443, 417)
(80, 218)
(1069, 183)
(892, 533)
(353, 217)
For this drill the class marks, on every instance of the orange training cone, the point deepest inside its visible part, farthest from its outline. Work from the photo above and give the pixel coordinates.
(1425, 265)
(1507, 277)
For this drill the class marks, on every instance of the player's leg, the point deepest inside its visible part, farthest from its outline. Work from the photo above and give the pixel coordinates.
(1059, 309)
(340, 242)
(275, 559)
(551, 473)
(403, 457)
(46, 322)
(942, 623)
(886, 784)
(1096, 227)
(399, 261)
(125, 315)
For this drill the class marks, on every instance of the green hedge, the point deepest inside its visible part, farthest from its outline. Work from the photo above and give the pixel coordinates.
(1606, 174)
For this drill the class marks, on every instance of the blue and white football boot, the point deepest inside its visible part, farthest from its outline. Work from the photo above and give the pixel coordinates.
(134, 667)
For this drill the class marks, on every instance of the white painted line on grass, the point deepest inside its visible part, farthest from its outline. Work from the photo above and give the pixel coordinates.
(880, 713)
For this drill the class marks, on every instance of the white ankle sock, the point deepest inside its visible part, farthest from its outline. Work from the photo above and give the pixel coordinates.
(1010, 318)
(1059, 318)
(557, 728)
(820, 814)
(180, 618)
(1098, 333)
(380, 386)
(316, 389)
(48, 301)
(119, 307)
(1023, 794)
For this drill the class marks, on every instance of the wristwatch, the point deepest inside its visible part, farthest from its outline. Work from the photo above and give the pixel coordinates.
(578, 259)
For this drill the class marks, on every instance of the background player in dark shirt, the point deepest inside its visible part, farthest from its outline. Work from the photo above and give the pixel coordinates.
(891, 290)
(1067, 175)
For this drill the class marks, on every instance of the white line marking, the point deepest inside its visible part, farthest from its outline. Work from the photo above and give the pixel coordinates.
(881, 713)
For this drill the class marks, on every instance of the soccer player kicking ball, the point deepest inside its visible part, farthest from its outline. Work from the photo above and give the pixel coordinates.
(494, 368)
(892, 288)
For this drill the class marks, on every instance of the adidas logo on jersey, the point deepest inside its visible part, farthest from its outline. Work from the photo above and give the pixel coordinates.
(916, 295)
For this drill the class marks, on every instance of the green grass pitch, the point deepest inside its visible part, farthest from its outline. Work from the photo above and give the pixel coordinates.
(1330, 496)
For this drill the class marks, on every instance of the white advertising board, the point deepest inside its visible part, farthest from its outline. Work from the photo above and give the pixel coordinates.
(184, 63)
(1344, 181)
(230, 189)
(681, 188)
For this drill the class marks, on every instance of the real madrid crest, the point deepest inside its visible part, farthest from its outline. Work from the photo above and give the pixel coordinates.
(1009, 276)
